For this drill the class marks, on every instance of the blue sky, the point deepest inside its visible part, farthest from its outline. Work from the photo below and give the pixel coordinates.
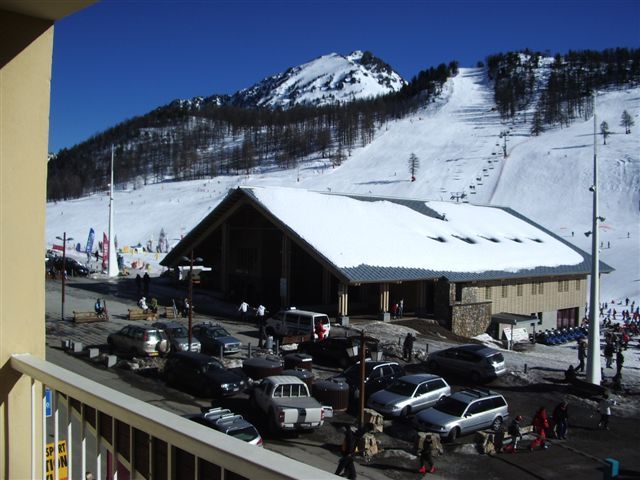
(118, 59)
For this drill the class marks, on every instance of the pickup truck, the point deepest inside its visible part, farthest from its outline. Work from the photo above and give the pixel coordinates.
(286, 401)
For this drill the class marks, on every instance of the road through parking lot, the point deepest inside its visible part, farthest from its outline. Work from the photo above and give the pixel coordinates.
(578, 457)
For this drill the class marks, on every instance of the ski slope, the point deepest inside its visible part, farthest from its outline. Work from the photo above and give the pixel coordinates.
(458, 141)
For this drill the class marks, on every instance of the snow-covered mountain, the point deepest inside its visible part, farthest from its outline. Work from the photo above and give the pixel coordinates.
(459, 141)
(328, 79)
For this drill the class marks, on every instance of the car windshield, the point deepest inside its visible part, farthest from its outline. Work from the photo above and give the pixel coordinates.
(245, 434)
(451, 406)
(402, 388)
(178, 331)
(219, 332)
(213, 366)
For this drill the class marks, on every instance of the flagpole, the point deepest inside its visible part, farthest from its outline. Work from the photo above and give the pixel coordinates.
(112, 266)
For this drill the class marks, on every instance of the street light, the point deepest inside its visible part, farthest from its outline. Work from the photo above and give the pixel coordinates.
(64, 266)
(191, 261)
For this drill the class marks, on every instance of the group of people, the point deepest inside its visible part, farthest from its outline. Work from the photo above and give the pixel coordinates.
(260, 312)
(142, 284)
(152, 306)
(397, 309)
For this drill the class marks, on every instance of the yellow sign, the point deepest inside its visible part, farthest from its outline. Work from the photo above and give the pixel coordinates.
(63, 473)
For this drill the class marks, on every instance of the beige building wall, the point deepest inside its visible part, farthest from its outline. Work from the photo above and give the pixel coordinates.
(26, 45)
(544, 295)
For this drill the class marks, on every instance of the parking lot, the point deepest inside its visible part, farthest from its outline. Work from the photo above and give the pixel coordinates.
(578, 457)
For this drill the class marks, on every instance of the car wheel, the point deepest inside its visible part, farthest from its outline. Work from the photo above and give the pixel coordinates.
(497, 423)
(453, 434)
(406, 411)
(476, 377)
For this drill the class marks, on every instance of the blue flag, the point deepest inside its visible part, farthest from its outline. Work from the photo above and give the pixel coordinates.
(92, 235)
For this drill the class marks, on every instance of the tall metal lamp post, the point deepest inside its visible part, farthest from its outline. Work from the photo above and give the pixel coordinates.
(191, 261)
(593, 354)
(64, 266)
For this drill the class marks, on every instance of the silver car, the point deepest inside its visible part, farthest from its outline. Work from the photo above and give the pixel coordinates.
(139, 340)
(178, 336)
(476, 361)
(409, 394)
(464, 412)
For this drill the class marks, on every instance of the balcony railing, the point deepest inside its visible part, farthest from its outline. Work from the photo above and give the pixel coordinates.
(117, 436)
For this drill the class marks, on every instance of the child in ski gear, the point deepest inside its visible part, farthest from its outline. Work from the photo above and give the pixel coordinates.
(516, 434)
(540, 426)
(426, 456)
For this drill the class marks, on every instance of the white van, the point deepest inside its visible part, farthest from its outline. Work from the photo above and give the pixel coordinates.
(296, 322)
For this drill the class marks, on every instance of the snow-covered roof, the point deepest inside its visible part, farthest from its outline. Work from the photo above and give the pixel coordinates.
(370, 239)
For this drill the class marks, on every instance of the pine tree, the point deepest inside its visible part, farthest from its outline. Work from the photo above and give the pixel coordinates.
(537, 126)
(604, 131)
(627, 122)
(414, 164)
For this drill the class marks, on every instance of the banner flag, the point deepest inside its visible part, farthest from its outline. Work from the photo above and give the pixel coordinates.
(90, 239)
(105, 250)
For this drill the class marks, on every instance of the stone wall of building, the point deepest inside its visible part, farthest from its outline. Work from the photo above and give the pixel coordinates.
(470, 319)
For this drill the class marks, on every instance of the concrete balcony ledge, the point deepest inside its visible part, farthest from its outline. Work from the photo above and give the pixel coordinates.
(223, 451)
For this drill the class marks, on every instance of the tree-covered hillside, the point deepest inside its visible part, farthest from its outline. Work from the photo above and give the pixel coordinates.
(208, 137)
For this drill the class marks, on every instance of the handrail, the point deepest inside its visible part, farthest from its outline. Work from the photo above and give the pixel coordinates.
(227, 452)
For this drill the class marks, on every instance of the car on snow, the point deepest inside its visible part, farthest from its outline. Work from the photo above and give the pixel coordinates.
(223, 420)
(464, 412)
(213, 337)
(479, 362)
(203, 374)
(409, 394)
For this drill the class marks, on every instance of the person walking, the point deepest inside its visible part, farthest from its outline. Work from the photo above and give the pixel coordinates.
(604, 407)
(582, 355)
(139, 285)
(619, 362)
(146, 280)
(394, 311)
(348, 451)
(244, 306)
(407, 347)
(540, 425)
(608, 353)
(401, 308)
(260, 311)
(561, 419)
(426, 456)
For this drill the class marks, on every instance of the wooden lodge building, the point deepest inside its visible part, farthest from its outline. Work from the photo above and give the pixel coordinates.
(345, 254)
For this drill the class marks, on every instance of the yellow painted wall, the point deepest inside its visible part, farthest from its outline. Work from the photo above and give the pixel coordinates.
(549, 300)
(25, 77)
